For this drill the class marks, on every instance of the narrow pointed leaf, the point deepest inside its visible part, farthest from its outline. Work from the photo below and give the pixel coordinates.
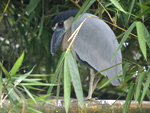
(144, 12)
(17, 65)
(38, 98)
(139, 85)
(125, 70)
(59, 66)
(38, 84)
(147, 83)
(106, 83)
(29, 94)
(127, 33)
(67, 85)
(147, 35)
(58, 86)
(42, 21)
(117, 4)
(5, 71)
(130, 10)
(74, 73)
(141, 38)
(32, 5)
(129, 98)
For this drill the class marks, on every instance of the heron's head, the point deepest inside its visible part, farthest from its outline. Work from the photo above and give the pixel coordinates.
(58, 25)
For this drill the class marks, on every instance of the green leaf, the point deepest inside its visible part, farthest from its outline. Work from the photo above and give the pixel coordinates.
(2, 110)
(38, 98)
(147, 83)
(42, 21)
(59, 66)
(29, 94)
(86, 6)
(32, 5)
(116, 3)
(32, 110)
(67, 84)
(41, 26)
(31, 17)
(5, 71)
(125, 70)
(139, 85)
(17, 65)
(37, 84)
(130, 11)
(144, 12)
(114, 77)
(82, 10)
(129, 98)
(12, 94)
(74, 73)
(19, 80)
(45, 38)
(147, 35)
(28, 73)
(58, 86)
(141, 38)
(127, 33)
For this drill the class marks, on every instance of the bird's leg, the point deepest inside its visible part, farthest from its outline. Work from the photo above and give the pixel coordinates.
(92, 76)
(97, 79)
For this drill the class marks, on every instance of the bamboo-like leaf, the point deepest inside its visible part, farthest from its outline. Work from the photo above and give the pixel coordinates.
(147, 35)
(117, 4)
(139, 85)
(37, 84)
(31, 80)
(45, 38)
(106, 83)
(19, 80)
(17, 65)
(144, 12)
(74, 73)
(130, 10)
(147, 83)
(67, 85)
(29, 94)
(42, 21)
(2, 110)
(86, 6)
(125, 70)
(58, 86)
(12, 94)
(141, 38)
(32, 5)
(82, 10)
(38, 98)
(34, 88)
(32, 110)
(127, 33)
(129, 98)
(59, 66)
(5, 71)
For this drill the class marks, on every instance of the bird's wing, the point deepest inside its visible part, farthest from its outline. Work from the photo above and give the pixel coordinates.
(95, 44)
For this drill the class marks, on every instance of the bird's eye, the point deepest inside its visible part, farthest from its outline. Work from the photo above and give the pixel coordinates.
(60, 24)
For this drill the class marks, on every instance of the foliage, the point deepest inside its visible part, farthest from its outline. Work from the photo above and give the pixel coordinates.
(25, 26)
(13, 83)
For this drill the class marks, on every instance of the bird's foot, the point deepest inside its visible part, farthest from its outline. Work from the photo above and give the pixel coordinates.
(90, 98)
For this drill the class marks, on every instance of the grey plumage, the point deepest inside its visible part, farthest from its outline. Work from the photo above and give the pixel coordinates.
(96, 43)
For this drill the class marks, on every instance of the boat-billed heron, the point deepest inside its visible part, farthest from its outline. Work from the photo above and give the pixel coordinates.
(94, 45)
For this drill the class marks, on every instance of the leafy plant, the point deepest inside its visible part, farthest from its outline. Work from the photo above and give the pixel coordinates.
(14, 86)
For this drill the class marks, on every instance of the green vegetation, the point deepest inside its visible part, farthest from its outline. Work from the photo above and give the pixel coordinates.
(26, 65)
